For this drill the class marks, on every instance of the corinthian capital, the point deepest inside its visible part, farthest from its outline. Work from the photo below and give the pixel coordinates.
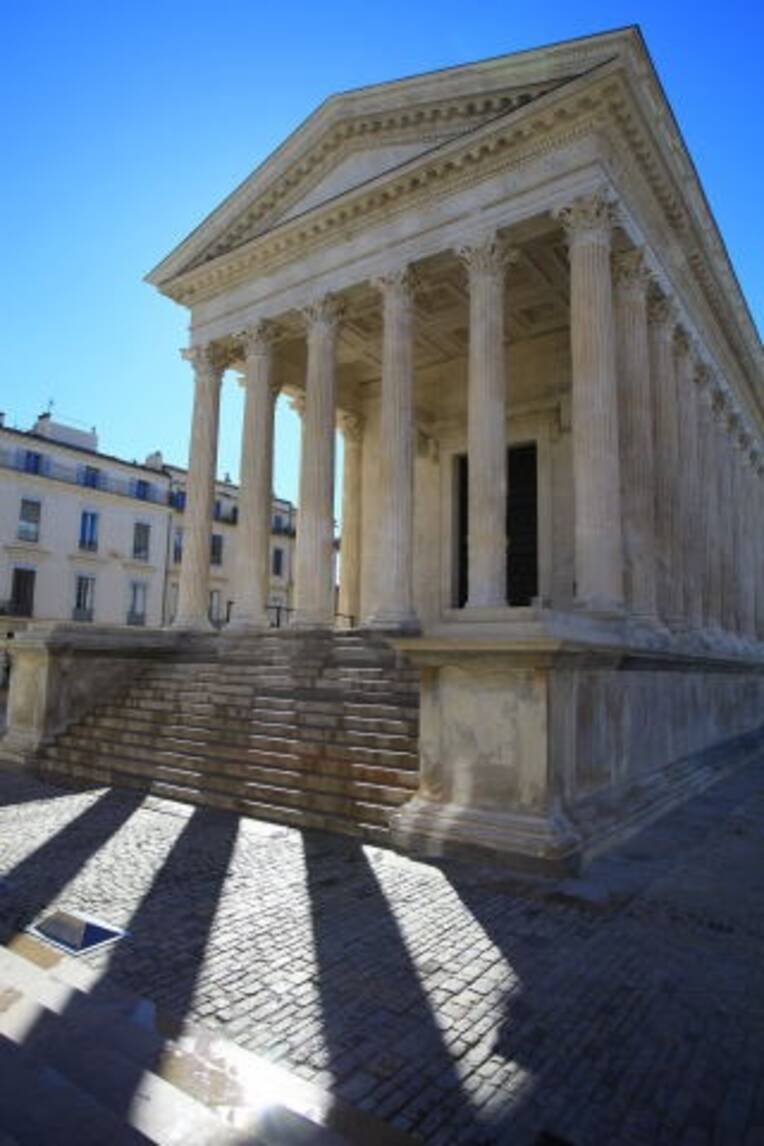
(351, 425)
(208, 361)
(487, 255)
(662, 313)
(630, 271)
(323, 314)
(398, 282)
(588, 219)
(257, 340)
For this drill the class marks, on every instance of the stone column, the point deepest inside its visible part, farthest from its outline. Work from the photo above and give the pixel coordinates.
(486, 261)
(729, 575)
(746, 525)
(351, 426)
(193, 592)
(395, 580)
(662, 322)
(709, 468)
(596, 481)
(253, 534)
(314, 555)
(635, 424)
(687, 536)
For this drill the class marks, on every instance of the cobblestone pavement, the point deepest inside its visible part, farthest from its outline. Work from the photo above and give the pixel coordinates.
(459, 1002)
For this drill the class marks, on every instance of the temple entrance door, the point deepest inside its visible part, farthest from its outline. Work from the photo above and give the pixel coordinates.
(522, 526)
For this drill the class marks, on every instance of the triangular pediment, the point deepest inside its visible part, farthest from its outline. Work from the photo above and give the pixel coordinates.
(358, 136)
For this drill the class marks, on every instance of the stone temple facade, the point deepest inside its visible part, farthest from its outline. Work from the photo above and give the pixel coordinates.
(503, 284)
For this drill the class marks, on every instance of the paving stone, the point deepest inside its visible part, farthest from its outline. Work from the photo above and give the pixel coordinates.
(469, 1005)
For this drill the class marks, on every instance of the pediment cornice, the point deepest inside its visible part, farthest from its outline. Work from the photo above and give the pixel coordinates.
(432, 107)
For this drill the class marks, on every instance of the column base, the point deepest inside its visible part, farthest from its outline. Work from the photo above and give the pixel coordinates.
(542, 842)
(600, 607)
(304, 621)
(391, 621)
(242, 626)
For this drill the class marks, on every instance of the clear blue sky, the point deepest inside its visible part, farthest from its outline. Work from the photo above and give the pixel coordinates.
(125, 123)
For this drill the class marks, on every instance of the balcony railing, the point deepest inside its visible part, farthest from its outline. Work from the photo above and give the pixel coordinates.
(14, 609)
(82, 614)
(48, 467)
(136, 618)
(88, 545)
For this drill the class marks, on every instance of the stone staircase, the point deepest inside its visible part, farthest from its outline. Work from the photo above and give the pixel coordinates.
(314, 730)
(84, 1063)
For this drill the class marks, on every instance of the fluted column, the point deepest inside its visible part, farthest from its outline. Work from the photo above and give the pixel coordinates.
(486, 261)
(729, 579)
(253, 534)
(746, 575)
(709, 468)
(662, 322)
(351, 426)
(635, 425)
(314, 554)
(395, 579)
(688, 532)
(193, 592)
(596, 481)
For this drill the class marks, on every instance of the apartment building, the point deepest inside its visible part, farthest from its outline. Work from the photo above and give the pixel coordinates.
(90, 537)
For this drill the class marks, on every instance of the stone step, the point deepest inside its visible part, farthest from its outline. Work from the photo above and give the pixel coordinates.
(344, 762)
(95, 773)
(268, 793)
(266, 1102)
(390, 786)
(234, 743)
(130, 1104)
(39, 1106)
(251, 733)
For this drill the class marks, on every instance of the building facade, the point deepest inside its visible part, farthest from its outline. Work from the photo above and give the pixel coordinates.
(96, 539)
(503, 284)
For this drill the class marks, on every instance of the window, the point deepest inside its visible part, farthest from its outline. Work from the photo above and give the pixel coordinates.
(177, 545)
(216, 549)
(143, 489)
(178, 499)
(84, 598)
(91, 477)
(277, 562)
(136, 610)
(141, 541)
(278, 523)
(215, 606)
(89, 530)
(32, 462)
(29, 520)
(218, 512)
(172, 602)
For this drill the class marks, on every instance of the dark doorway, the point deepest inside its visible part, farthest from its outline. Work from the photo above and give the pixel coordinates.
(522, 526)
(22, 592)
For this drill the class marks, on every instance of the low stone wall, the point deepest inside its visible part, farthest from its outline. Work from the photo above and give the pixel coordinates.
(537, 746)
(59, 671)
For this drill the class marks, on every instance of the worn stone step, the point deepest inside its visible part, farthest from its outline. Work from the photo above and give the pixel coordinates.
(388, 786)
(253, 733)
(334, 760)
(96, 773)
(271, 792)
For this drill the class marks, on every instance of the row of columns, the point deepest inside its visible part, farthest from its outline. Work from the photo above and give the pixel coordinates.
(665, 501)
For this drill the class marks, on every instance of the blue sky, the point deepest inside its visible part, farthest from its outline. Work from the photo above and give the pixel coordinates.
(125, 123)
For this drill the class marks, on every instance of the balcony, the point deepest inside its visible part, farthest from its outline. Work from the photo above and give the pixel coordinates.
(82, 614)
(136, 618)
(73, 474)
(88, 545)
